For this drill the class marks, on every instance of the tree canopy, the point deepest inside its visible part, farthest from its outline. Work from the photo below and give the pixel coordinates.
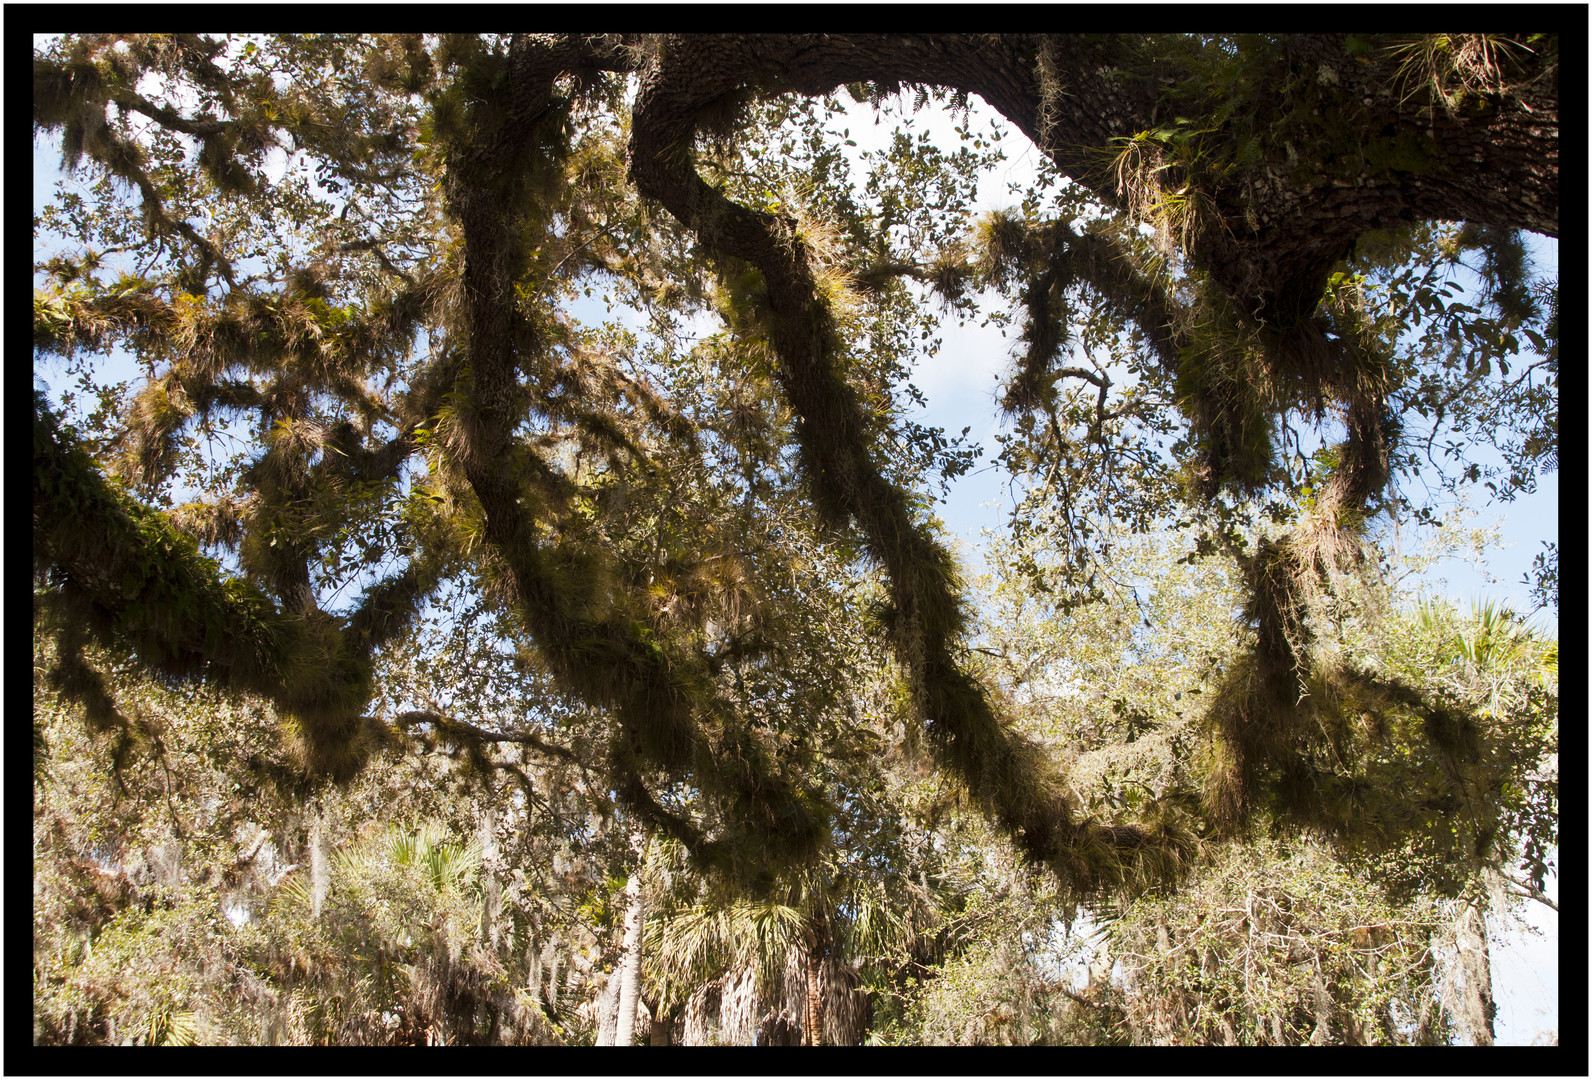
(395, 473)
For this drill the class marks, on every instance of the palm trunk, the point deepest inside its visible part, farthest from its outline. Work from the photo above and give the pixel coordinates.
(608, 1011)
(630, 961)
(813, 1033)
(658, 1030)
(814, 950)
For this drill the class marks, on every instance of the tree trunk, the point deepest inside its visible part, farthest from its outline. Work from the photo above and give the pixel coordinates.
(661, 1025)
(630, 961)
(608, 1011)
(1322, 1035)
(813, 1023)
(492, 888)
(320, 862)
(1474, 1008)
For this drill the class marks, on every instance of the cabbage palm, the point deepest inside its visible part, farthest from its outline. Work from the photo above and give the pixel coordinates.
(384, 958)
(1506, 664)
(780, 967)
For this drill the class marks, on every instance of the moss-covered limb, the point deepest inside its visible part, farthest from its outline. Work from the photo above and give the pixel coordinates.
(1015, 783)
(1274, 154)
(141, 588)
(876, 277)
(1257, 715)
(1233, 376)
(668, 715)
(1244, 126)
(389, 607)
(669, 720)
(156, 593)
(597, 637)
(1252, 352)
(64, 321)
(1047, 260)
(1122, 285)
(709, 854)
(73, 98)
(532, 66)
(165, 601)
(1366, 760)
(1006, 776)
(323, 349)
(77, 84)
(103, 69)
(1285, 150)
(297, 510)
(597, 399)
(1283, 719)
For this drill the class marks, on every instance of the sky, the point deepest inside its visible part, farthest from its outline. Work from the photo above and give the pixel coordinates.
(960, 386)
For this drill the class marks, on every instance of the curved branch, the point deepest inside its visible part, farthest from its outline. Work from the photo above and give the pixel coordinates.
(1005, 773)
(445, 724)
(593, 637)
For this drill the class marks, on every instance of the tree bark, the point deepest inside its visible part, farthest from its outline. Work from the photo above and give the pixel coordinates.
(1356, 148)
(608, 1011)
(320, 861)
(630, 961)
(813, 1023)
(660, 1026)
(1474, 1008)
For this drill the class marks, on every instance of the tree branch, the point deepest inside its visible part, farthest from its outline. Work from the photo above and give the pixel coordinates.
(445, 724)
(1528, 890)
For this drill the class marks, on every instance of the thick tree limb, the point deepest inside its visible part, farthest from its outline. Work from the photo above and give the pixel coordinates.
(1278, 223)
(669, 716)
(1003, 772)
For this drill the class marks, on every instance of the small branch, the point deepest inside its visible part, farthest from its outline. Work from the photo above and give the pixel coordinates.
(375, 249)
(875, 277)
(1079, 998)
(1529, 891)
(581, 247)
(445, 724)
(168, 118)
(1083, 373)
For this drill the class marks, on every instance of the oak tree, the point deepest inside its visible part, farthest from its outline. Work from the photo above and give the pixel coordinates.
(386, 327)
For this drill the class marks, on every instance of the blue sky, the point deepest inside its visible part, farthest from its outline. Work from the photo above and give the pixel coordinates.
(960, 385)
